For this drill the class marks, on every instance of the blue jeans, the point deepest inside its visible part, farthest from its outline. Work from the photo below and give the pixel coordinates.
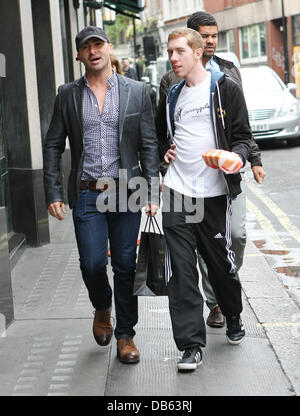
(92, 230)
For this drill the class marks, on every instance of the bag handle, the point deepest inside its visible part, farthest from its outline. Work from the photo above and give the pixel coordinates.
(152, 221)
(147, 224)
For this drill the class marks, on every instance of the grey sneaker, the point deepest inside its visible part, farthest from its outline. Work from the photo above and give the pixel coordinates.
(191, 359)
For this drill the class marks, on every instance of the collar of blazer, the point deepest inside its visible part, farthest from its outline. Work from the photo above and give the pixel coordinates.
(124, 96)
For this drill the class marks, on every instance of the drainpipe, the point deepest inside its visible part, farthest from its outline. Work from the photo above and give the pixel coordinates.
(285, 46)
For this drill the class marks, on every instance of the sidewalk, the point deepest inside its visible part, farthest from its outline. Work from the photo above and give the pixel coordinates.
(49, 350)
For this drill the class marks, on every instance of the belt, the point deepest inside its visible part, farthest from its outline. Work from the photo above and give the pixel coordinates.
(91, 185)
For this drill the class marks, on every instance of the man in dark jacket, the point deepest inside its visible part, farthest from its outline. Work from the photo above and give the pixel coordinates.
(206, 25)
(111, 138)
(207, 110)
(128, 71)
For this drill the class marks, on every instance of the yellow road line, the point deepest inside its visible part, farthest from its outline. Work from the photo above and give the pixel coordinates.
(265, 224)
(271, 324)
(281, 216)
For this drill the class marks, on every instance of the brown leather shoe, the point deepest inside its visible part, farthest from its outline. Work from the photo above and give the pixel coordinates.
(102, 328)
(127, 351)
(215, 318)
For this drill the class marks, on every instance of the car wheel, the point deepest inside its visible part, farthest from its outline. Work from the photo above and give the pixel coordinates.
(294, 142)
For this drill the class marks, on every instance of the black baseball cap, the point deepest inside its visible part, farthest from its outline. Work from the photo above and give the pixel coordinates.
(88, 33)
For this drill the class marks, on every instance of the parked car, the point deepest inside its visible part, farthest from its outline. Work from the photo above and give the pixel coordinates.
(274, 112)
(229, 56)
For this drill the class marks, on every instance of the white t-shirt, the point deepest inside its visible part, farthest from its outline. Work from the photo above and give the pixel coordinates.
(194, 135)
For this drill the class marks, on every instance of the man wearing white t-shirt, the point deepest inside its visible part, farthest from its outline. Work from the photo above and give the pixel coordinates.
(205, 111)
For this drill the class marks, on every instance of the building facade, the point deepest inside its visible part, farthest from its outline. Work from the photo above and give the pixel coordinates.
(254, 30)
(37, 54)
(174, 15)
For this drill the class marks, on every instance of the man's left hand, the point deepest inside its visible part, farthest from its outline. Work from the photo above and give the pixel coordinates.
(258, 173)
(151, 210)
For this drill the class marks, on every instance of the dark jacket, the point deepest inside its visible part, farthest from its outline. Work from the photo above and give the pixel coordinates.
(229, 117)
(170, 79)
(130, 73)
(137, 138)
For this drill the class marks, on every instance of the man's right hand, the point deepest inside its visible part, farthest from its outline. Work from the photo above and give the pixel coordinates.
(56, 209)
(170, 154)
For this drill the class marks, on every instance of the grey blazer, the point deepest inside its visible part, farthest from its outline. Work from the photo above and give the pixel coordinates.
(137, 138)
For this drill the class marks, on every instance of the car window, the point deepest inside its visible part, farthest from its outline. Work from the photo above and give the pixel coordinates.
(256, 80)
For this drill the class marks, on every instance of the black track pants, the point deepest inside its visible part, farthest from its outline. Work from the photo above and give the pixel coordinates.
(212, 236)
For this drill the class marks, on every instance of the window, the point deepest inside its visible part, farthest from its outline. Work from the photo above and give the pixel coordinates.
(222, 42)
(260, 80)
(230, 41)
(189, 6)
(226, 41)
(253, 43)
(296, 29)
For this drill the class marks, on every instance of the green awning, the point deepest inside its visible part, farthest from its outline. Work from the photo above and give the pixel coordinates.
(134, 6)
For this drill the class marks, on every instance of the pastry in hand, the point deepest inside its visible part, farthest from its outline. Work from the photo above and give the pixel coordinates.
(228, 162)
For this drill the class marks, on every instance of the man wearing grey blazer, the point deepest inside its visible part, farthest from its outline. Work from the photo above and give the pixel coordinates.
(108, 121)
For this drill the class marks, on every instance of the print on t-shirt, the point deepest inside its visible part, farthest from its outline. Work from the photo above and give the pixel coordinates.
(194, 135)
(181, 114)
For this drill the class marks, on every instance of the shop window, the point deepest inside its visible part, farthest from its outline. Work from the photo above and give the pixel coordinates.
(253, 43)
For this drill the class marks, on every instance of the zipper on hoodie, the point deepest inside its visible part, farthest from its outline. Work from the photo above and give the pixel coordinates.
(216, 134)
(214, 119)
(169, 124)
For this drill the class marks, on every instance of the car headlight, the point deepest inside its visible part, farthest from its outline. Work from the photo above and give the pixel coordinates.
(289, 109)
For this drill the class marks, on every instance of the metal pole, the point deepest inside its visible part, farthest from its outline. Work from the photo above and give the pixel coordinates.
(285, 46)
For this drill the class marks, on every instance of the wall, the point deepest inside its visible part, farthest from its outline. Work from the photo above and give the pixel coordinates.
(275, 47)
(214, 6)
(247, 14)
